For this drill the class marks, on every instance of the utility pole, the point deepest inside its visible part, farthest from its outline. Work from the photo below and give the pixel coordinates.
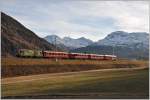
(56, 48)
(55, 45)
(113, 50)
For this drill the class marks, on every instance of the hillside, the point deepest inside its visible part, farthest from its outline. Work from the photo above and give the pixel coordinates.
(15, 36)
(123, 44)
(69, 42)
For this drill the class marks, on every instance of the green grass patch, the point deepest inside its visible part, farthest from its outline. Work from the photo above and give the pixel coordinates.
(111, 84)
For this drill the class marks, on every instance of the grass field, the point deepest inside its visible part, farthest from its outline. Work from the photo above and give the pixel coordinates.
(41, 61)
(113, 83)
(12, 67)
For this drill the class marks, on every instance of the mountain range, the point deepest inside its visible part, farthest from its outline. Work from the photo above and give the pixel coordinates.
(118, 38)
(69, 42)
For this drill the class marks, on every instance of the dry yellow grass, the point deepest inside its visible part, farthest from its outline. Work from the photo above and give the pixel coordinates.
(28, 66)
(41, 61)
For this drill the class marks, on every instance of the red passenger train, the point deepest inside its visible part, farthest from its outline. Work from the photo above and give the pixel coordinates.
(65, 55)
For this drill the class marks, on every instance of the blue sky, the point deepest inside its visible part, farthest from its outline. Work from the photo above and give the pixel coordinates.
(81, 18)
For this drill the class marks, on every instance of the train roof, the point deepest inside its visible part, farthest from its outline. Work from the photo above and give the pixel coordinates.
(30, 49)
(78, 53)
(55, 52)
(111, 55)
(81, 53)
(96, 54)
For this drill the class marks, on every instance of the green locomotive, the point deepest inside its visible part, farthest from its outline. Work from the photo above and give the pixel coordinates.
(29, 53)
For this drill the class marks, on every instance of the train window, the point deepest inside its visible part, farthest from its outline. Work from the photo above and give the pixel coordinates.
(21, 51)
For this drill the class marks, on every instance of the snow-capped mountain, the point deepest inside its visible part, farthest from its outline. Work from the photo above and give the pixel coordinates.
(77, 43)
(121, 38)
(54, 38)
(69, 42)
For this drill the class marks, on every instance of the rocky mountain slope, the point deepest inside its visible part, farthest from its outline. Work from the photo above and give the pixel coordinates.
(15, 36)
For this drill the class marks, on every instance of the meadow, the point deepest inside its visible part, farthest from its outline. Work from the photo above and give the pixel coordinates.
(118, 83)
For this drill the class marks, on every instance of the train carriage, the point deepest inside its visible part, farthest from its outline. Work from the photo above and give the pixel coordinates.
(109, 57)
(81, 56)
(25, 53)
(72, 55)
(51, 54)
(38, 53)
(29, 53)
(97, 57)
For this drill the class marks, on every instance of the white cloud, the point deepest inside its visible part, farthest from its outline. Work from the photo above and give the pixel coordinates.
(129, 16)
